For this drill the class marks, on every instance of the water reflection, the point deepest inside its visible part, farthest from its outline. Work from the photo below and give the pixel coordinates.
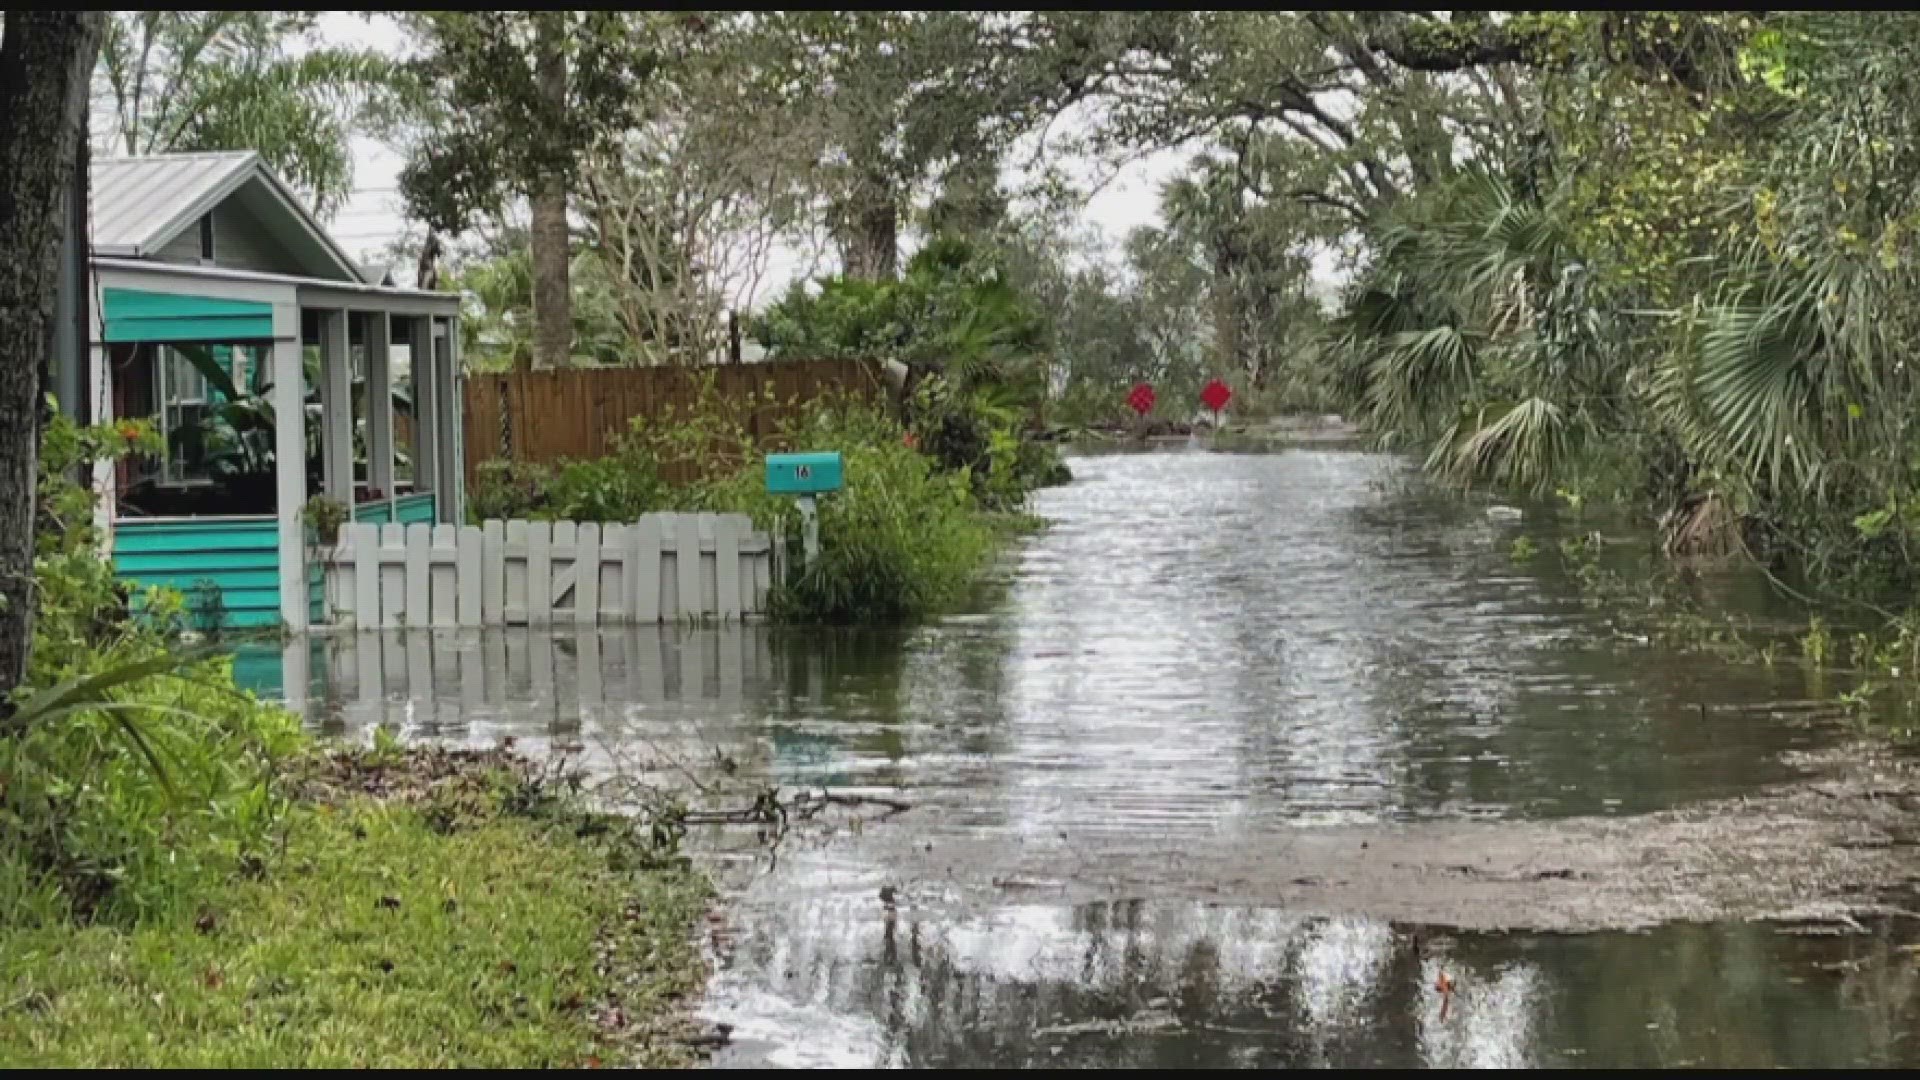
(1204, 652)
(1143, 984)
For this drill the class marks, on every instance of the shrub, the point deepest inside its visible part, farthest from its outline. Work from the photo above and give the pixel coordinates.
(620, 487)
(119, 809)
(979, 433)
(617, 488)
(123, 782)
(900, 543)
(903, 541)
(507, 489)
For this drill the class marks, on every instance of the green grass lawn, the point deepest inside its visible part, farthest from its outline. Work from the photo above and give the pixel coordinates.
(389, 933)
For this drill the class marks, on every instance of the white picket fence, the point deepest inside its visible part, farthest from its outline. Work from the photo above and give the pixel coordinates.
(662, 568)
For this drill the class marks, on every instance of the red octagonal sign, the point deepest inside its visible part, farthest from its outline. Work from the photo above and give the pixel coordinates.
(1141, 400)
(1215, 395)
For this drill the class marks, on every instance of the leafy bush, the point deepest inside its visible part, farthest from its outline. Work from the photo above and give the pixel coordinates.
(140, 795)
(903, 541)
(124, 783)
(620, 487)
(617, 488)
(507, 489)
(984, 435)
(953, 311)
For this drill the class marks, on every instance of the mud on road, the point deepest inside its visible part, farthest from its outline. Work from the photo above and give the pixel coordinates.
(1840, 845)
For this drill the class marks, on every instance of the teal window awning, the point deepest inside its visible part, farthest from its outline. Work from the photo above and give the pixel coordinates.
(133, 315)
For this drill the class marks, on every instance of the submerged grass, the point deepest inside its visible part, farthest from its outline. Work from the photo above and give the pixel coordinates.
(427, 910)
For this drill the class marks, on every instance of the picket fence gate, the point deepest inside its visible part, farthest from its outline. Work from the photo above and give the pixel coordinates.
(661, 568)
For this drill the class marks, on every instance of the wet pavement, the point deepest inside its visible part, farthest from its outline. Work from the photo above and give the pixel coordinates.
(1231, 767)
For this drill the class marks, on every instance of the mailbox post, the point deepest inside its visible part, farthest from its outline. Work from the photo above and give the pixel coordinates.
(806, 476)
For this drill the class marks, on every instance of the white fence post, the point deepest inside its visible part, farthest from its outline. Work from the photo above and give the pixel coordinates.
(536, 572)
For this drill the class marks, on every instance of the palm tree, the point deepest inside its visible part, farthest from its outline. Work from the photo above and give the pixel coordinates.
(174, 81)
(1476, 333)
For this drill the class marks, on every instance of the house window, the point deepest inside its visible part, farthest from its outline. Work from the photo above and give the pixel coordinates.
(183, 415)
(206, 238)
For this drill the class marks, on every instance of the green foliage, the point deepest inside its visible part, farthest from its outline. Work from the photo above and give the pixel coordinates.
(182, 81)
(324, 515)
(981, 435)
(954, 312)
(484, 926)
(76, 598)
(134, 772)
(619, 487)
(1523, 550)
(133, 786)
(903, 541)
(487, 129)
(496, 329)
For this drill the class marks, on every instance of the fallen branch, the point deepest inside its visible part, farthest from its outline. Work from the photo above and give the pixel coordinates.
(769, 808)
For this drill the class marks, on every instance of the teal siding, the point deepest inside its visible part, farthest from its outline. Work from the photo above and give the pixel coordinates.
(239, 556)
(317, 595)
(406, 510)
(136, 315)
(414, 508)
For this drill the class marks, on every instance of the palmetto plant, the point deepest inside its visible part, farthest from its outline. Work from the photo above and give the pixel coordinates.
(241, 80)
(1476, 334)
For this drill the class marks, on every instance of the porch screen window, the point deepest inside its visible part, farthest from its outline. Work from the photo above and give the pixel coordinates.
(187, 404)
(183, 399)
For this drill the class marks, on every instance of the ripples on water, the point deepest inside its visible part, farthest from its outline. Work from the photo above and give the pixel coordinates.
(1203, 650)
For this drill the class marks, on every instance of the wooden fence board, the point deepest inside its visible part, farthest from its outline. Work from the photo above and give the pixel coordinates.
(580, 413)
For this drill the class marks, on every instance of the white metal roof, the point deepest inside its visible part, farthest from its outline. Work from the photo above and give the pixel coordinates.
(138, 204)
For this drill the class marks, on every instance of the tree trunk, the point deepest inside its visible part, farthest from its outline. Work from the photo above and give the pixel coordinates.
(45, 60)
(426, 268)
(870, 232)
(552, 291)
(1226, 308)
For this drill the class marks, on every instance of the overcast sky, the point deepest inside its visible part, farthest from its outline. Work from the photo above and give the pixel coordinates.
(373, 216)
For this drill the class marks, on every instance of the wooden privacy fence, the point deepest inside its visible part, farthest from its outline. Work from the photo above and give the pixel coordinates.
(547, 416)
(662, 568)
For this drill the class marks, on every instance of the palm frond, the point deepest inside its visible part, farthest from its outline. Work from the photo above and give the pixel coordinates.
(1527, 447)
(1756, 381)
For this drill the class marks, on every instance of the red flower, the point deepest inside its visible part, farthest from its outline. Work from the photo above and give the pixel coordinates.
(1215, 395)
(910, 441)
(130, 432)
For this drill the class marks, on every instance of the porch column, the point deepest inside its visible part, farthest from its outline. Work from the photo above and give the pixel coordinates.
(105, 479)
(379, 403)
(336, 407)
(426, 436)
(457, 419)
(290, 462)
(446, 424)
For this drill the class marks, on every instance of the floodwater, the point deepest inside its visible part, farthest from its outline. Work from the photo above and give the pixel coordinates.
(1235, 765)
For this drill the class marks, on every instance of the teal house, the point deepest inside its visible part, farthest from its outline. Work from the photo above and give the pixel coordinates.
(276, 368)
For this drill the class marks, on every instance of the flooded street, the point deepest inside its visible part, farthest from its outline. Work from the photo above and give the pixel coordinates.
(1235, 764)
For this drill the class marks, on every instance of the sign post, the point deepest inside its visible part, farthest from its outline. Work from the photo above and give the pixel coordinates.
(805, 476)
(1141, 402)
(1215, 396)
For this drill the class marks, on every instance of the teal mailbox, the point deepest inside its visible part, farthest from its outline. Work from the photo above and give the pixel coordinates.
(804, 474)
